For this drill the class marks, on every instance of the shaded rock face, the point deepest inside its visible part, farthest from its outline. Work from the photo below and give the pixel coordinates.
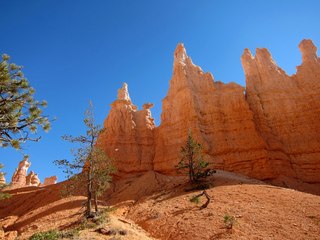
(19, 176)
(269, 130)
(128, 137)
(287, 111)
(218, 116)
(50, 180)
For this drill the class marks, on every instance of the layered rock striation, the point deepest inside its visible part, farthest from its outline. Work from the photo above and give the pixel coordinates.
(268, 130)
(287, 111)
(218, 116)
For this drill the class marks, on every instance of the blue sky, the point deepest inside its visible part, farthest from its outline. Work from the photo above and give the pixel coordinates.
(73, 51)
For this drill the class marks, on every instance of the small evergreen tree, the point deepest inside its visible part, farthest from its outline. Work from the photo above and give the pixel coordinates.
(192, 161)
(20, 113)
(2, 186)
(91, 168)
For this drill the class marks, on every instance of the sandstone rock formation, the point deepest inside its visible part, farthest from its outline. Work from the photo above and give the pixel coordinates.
(2, 179)
(50, 180)
(19, 176)
(32, 179)
(128, 136)
(218, 116)
(269, 130)
(286, 111)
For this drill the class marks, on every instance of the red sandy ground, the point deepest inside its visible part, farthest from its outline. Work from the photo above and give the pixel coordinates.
(160, 205)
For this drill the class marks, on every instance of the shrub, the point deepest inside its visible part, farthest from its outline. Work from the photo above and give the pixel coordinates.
(48, 235)
(229, 221)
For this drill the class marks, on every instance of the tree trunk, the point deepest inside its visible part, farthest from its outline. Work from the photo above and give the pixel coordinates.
(95, 202)
(89, 193)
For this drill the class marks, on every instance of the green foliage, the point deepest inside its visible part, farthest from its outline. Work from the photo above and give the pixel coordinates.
(195, 199)
(192, 160)
(2, 186)
(229, 221)
(55, 235)
(90, 170)
(20, 113)
(48, 235)
(4, 196)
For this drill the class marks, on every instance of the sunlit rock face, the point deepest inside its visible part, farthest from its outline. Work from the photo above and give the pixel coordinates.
(128, 137)
(20, 174)
(50, 180)
(218, 116)
(287, 111)
(2, 179)
(267, 130)
(32, 179)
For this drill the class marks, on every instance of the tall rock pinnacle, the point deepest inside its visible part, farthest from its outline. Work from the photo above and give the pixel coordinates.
(123, 93)
(308, 51)
(218, 116)
(268, 130)
(128, 135)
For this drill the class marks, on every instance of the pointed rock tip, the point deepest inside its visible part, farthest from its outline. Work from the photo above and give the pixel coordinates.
(247, 54)
(180, 53)
(123, 93)
(263, 52)
(308, 50)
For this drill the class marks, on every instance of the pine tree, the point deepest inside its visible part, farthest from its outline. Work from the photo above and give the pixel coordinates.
(20, 113)
(91, 167)
(192, 161)
(2, 186)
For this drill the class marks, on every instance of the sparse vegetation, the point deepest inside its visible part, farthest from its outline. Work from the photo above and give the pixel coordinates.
(192, 161)
(229, 221)
(55, 235)
(20, 113)
(196, 199)
(91, 168)
(48, 235)
(2, 186)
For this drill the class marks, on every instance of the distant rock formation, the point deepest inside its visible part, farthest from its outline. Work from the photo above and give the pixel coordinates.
(128, 136)
(19, 176)
(2, 179)
(32, 179)
(50, 180)
(268, 130)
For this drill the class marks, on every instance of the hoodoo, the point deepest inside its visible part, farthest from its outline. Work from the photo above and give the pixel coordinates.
(268, 130)
(129, 134)
(218, 116)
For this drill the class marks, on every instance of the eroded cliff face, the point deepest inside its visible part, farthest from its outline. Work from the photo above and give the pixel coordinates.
(287, 111)
(269, 130)
(218, 116)
(129, 134)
